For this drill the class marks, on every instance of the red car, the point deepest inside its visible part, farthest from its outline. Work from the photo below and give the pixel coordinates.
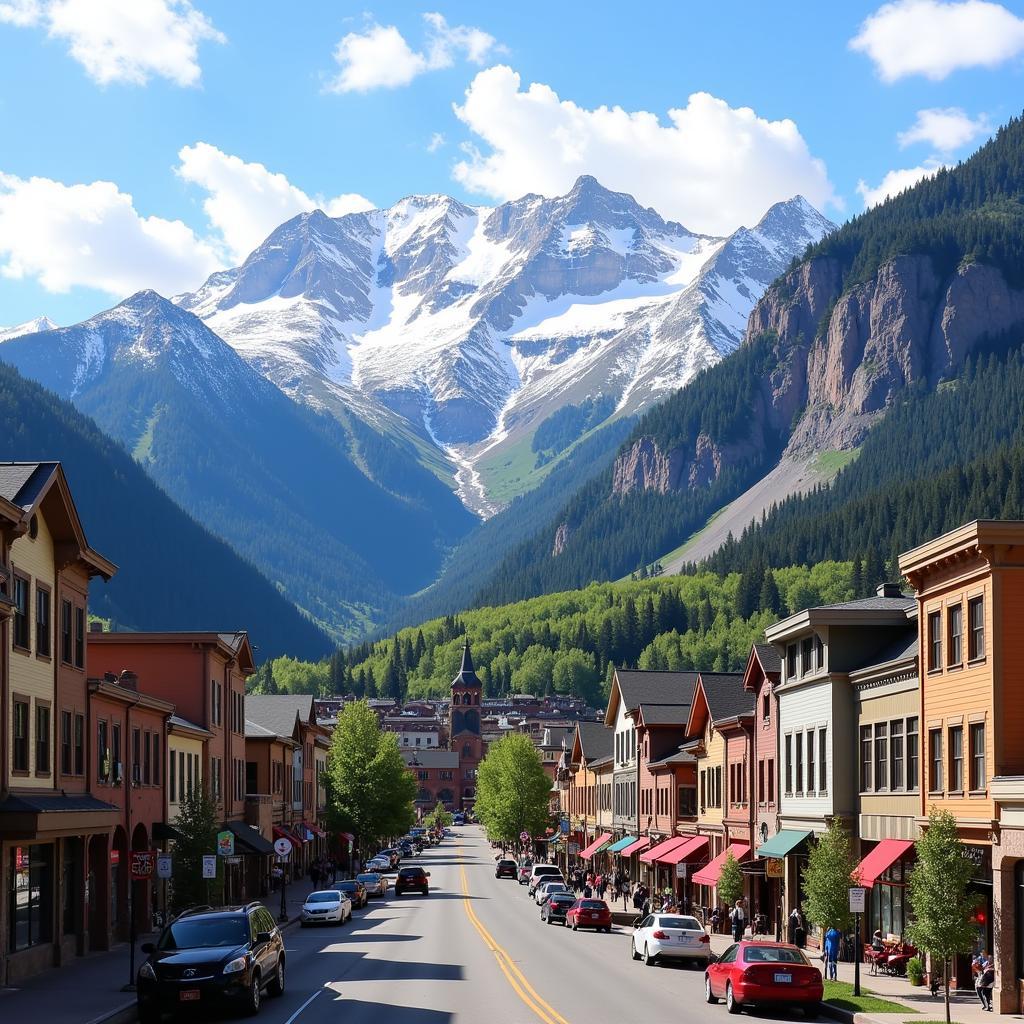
(589, 914)
(749, 973)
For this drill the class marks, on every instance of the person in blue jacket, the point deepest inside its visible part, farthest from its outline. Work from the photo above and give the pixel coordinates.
(833, 938)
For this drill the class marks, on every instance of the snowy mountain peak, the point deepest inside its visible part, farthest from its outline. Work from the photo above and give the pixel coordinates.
(39, 324)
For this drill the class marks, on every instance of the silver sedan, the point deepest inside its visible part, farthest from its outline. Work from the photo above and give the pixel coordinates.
(376, 884)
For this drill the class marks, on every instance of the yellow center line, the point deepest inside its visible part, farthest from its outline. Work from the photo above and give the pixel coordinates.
(513, 975)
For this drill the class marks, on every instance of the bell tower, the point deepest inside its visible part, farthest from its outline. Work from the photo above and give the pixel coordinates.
(464, 727)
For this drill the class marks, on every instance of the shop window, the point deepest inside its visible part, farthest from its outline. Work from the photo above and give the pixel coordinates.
(976, 625)
(30, 896)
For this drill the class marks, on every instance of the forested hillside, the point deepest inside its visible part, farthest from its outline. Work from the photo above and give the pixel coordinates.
(567, 642)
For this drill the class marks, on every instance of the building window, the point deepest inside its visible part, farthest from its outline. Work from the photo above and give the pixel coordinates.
(806, 654)
(30, 897)
(42, 739)
(799, 762)
(79, 637)
(136, 757)
(65, 742)
(810, 761)
(102, 753)
(819, 653)
(42, 621)
(956, 759)
(934, 641)
(866, 758)
(771, 780)
(791, 661)
(718, 787)
(978, 780)
(147, 755)
(896, 755)
(20, 733)
(172, 779)
(21, 637)
(935, 760)
(79, 744)
(766, 708)
(760, 782)
(789, 764)
(881, 755)
(956, 634)
(115, 754)
(823, 760)
(976, 625)
(156, 760)
(183, 763)
(65, 632)
(912, 767)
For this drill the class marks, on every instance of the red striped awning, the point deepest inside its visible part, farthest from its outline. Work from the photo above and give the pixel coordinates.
(880, 859)
(693, 848)
(708, 875)
(656, 853)
(316, 830)
(640, 844)
(596, 845)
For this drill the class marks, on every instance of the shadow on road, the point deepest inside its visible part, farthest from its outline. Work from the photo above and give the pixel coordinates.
(359, 1011)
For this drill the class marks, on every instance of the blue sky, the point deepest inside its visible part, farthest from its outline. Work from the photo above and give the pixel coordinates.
(261, 83)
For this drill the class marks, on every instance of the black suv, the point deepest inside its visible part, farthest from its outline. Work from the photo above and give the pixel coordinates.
(208, 957)
(505, 869)
(411, 879)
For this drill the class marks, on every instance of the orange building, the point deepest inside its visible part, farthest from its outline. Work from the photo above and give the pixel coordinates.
(970, 592)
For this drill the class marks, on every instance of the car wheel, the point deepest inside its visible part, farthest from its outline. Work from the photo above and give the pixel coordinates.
(709, 996)
(649, 961)
(730, 999)
(632, 951)
(252, 1000)
(276, 986)
(575, 927)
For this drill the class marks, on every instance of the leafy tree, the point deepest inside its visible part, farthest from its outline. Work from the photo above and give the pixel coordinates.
(512, 790)
(938, 895)
(730, 881)
(371, 789)
(438, 817)
(197, 823)
(827, 879)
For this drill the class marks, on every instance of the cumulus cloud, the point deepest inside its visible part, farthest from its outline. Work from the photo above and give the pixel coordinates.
(380, 57)
(91, 235)
(936, 37)
(123, 42)
(246, 201)
(711, 166)
(896, 182)
(945, 129)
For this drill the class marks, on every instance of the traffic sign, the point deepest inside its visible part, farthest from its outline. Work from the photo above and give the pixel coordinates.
(524, 837)
(209, 865)
(226, 843)
(282, 847)
(142, 863)
(857, 899)
(163, 865)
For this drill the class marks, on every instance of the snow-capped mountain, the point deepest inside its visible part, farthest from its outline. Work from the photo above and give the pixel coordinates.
(473, 324)
(40, 323)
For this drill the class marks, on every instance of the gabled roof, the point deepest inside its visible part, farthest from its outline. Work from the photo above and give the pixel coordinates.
(763, 662)
(663, 714)
(279, 713)
(721, 696)
(591, 741)
(635, 687)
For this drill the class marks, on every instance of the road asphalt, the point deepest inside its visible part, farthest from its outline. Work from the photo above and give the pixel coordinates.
(475, 950)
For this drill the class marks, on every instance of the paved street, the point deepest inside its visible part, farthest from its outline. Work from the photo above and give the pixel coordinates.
(451, 957)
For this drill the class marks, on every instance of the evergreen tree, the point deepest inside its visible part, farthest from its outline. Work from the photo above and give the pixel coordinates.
(769, 599)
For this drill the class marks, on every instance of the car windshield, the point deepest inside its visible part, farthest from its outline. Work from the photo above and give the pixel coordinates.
(593, 905)
(410, 872)
(347, 886)
(689, 923)
(323, 897)
(373, 879)
(508, 863)
(197, 932)
(773, 955)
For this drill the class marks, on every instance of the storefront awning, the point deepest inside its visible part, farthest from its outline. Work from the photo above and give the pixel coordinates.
(163, 832)
(664, 847)
(621, 844)
(692, 848)
(880, 859)
(316, 830)
(783, 843)
(708, 875)
(250, 837)
(597, 844)
(640, 844)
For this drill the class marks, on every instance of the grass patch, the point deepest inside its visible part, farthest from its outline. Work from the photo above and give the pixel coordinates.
(840, 993)
(829, 463)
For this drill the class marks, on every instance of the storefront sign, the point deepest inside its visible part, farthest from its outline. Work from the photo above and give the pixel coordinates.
(232, 860)
(857, 899)
(226, 843)
(682, 869)
(209, 865)
(142, 864)
(115, 857)
(163, 865)
(574, 849)
(282, 847)
(774, 867)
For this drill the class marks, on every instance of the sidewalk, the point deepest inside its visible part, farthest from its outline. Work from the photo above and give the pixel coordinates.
(87, 990)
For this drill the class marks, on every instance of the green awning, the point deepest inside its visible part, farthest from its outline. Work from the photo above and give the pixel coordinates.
(622, 844)
(782, 844)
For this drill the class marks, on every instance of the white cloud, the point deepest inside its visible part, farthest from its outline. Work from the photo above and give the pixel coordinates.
(712, 167)
(437, 140)
(119, 41)
(91, 235)
(936, 37)
(380, 57)
(945, 130)
(895, 182)
(246, 201)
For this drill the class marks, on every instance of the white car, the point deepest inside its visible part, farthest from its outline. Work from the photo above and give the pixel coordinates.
(379, 864)
(671, 936)
(326, 906)
(545, 889)
(543, 873)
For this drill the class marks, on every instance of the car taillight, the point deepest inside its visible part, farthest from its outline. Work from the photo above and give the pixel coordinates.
(705, 937)
(659, 934)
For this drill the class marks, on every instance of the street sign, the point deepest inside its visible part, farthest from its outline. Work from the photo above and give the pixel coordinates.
(524, 837)
(163, 865)
(563, 826)
(232, 860)
(775, 867)
(209, 865)
(574, 849)
(282, 847)
(115, 856)
(857, 899)
(226, 843)
(681, 869)
(142, 863)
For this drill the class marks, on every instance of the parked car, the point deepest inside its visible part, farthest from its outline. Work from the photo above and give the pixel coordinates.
(356, 892)
(525, 870)
(545, 872)
(459, 819)
(546, 889)
(374, 883)
(505, 869)
(406, 850)
(763, 973)
(670, 936)
(212, 958)
(392, 855)
(554, 908)
(327, 906)
(412, 879)
(589, 914)
(378, 864)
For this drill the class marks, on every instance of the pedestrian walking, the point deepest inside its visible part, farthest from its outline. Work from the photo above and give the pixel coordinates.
(792, 923)
(984, 979)
(738, 920)
(833, 939)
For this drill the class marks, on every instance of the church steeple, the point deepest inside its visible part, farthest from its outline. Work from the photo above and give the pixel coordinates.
(467, 676)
